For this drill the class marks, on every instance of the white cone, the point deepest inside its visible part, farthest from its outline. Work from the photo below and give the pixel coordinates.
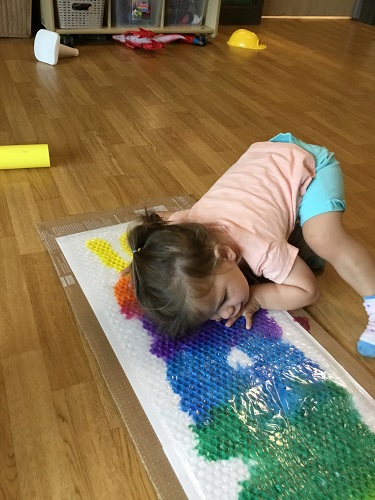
(47, 47)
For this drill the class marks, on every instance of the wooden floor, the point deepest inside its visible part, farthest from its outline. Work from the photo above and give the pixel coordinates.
(122, 126)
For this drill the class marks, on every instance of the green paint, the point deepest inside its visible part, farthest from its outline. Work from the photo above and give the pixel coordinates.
(320, 451)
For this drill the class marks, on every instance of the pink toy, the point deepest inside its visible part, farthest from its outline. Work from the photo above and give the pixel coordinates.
(148, 40)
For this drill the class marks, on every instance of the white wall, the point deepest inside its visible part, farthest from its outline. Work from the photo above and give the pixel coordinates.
(308, 7)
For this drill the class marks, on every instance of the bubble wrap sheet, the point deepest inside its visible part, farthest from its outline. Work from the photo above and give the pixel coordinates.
(265, 413)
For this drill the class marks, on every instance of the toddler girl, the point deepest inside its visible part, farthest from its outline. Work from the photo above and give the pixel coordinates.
(187, 265)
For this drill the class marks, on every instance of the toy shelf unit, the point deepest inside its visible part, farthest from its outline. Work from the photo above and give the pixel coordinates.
(117, 16)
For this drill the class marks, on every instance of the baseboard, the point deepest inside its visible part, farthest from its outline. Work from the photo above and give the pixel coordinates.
(313, 18)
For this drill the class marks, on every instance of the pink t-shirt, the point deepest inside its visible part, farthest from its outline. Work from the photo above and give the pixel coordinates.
(256, 202)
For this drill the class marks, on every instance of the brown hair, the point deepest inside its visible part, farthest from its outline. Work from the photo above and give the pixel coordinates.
(169, 264)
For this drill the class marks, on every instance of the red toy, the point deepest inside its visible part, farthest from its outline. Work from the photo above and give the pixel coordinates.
(148, 40)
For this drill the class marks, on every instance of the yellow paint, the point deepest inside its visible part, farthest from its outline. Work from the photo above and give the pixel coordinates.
(125, 245)
(106, 254)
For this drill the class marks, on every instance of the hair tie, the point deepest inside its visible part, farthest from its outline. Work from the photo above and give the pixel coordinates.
(136, 250)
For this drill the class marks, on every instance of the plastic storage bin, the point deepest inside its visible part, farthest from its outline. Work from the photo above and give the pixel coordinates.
(80, 13)
(184, 12)
(135, 13)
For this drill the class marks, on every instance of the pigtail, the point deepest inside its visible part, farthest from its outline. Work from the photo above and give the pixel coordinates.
(138, 235)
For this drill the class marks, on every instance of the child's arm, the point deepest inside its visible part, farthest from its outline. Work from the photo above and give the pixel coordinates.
(298, 290)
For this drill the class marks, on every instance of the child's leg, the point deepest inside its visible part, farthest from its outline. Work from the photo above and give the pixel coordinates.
(321, 220)
(296, 239)
(326, 235)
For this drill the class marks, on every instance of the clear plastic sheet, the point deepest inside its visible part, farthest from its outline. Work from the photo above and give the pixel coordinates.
(265, 413)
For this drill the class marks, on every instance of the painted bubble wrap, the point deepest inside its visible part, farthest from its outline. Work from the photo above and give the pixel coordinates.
(241, 414)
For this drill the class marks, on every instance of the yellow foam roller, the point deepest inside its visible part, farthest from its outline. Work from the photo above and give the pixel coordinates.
(24, 156)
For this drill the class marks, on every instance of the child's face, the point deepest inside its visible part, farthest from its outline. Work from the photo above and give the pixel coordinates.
(229, 292)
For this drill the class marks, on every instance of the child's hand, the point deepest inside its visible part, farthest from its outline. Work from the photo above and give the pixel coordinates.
(251, 307)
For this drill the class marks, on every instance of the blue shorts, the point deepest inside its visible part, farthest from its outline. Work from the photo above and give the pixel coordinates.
(325, 193)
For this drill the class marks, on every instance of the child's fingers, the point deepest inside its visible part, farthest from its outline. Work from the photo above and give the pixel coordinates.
(249, 320)
(231, 321)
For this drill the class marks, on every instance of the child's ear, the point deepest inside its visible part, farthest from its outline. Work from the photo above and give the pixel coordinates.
(225, 252)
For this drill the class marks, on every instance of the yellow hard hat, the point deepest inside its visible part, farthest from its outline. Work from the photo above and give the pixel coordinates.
(245, 39)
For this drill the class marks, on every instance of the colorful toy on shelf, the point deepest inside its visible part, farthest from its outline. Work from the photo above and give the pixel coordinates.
(245, 39)
(24, 156)
(182, 12)
(148, 40)
(141, 10)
